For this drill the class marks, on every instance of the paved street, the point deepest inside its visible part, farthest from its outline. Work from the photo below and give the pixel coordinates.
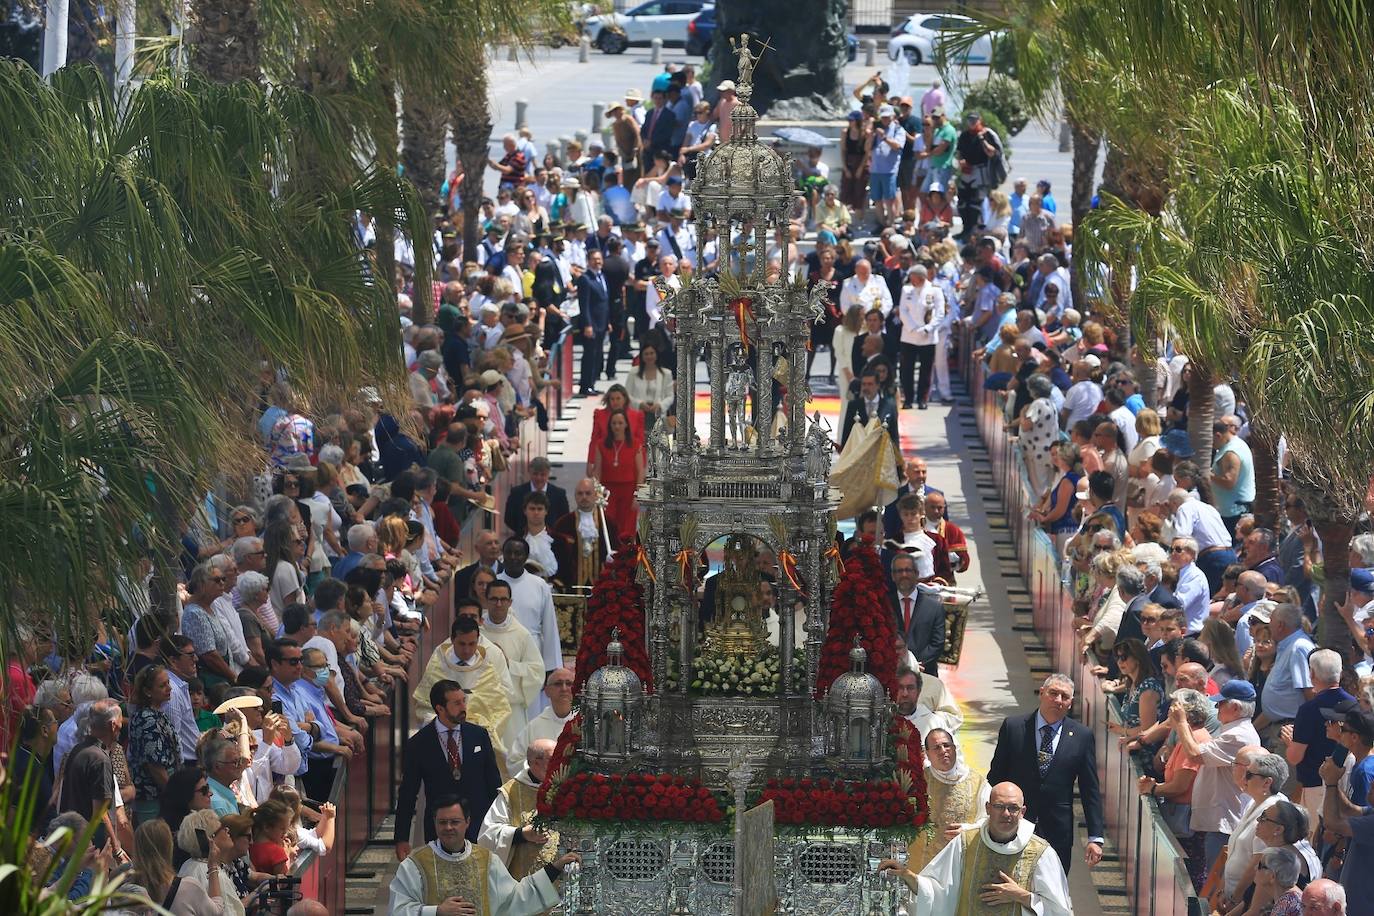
(561, 92)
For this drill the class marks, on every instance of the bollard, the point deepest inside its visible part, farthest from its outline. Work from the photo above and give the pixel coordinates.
(513, 54)
(598, 116)
(563, 142)
(522, 107)
(656, 51)
(551, 148)
(584, 49)
(870, 52)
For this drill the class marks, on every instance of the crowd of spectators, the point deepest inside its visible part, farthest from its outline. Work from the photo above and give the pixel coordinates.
(1200, 614)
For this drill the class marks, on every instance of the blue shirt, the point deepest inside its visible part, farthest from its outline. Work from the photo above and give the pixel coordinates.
(222, 800)
(346, 564)
(1194, 594)
(1283, 689)
(1020, 206)
(312, 698)
(1361, 777)
(885, 159)
(294, 709)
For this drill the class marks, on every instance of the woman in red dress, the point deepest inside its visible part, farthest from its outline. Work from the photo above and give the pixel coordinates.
(619, 466)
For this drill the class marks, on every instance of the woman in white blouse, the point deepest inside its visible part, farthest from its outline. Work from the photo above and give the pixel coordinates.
(843, 348)
(650, 386)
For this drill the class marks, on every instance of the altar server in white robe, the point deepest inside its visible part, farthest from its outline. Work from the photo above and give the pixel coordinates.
(523, 660)
(507, 830)
(549, 723)
(452, 877)
(998, 864)
(531, 601)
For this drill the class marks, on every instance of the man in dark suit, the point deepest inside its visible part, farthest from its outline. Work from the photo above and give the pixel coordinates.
(873, 326)
(488, 546)
(449, 756)
(1044, 753)
(657, 133)
(870, 403)
(914, 471)
(920, 614)
(594, 317)
(514, 516)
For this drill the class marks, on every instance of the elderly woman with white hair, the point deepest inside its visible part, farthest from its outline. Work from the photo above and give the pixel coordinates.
(254, 610)
(1039, 432)
(1276, 884)
(1175, 793)
(666, 285)
(209, 848)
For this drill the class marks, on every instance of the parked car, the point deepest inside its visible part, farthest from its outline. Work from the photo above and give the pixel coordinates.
(701, 31)
(665, 19)
(919, 36)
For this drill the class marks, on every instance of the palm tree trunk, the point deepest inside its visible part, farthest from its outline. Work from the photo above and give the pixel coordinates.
(224, 40)
(1268, 498)
(422, 155)
(1085, 145)
(1332, 632)
(471, 135)
(387, 143)
(1201, 414)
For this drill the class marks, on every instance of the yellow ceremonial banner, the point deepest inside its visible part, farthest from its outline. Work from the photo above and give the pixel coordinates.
(866, 471)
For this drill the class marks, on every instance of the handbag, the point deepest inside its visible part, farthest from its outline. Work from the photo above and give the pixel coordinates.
(1176, 816)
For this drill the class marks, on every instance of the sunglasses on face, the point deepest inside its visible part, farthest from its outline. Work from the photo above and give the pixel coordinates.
(291, 661)
(1177, 549)
(203, 790)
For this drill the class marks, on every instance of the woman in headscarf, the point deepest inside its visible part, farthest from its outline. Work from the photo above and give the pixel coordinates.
(958, 798)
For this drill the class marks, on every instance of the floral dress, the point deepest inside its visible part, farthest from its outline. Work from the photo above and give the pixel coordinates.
(1290, 904)
(152, 739)
(1130, 714)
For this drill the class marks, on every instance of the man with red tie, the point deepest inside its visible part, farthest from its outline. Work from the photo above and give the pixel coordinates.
(449, 757)
(920, 614)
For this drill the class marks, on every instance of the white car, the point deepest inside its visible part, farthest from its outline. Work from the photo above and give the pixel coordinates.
(665, 19)
(919, 36)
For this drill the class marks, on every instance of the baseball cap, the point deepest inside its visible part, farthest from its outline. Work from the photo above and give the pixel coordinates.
(1235, 689)
(1091, 360)
(1261, 611)
(724, 85)
(1362, 580)
(674, 179)
(1362, 723)
(662, 82)
(938, 111)
(855, 115)
(1337, 712)
(886, 111)
(491, 377)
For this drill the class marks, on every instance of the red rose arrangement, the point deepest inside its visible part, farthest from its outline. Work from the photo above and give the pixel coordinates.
(617, 600)
(569, 790)
(911, 768)
(859, 606)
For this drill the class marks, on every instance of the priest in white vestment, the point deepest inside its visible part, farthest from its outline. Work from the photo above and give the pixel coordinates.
(452, 877)
(998, 864)
(549, 723)
(523, 661)
(481, 673)
(507, 829)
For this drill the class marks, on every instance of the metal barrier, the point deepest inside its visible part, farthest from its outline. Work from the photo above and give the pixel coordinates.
(1156, 869)
(364, 790)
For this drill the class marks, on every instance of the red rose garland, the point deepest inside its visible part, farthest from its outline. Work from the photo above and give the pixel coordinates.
(570, 791)
(617, 600)
(859, 605)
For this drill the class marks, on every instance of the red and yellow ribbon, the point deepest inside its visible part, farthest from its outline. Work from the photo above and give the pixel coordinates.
(742, 306)
(788, 563)
(834, 554)
(642, 558)
(684, 567)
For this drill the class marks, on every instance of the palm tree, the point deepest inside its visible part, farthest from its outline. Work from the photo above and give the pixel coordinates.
(224, 40)
(171, 241)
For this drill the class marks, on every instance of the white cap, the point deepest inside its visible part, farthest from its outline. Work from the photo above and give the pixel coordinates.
(1092, 360)
(886, 111)
(724, 85)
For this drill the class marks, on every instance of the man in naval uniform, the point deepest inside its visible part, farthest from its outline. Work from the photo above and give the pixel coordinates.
(482, 675)
(452, 877)
(1001, 867)
(558, 689)
(507, 829)
(580, 538)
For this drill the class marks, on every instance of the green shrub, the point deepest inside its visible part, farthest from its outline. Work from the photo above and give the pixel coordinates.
(1003, 56)
(1001, 96)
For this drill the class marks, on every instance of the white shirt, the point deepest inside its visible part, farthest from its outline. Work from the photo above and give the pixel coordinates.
(686, 240)
(1125, 421)
(178, 709)
(667, 203)
(925, 555)
(1080, 401)
(541, 552)
(922, 310)
(1201, 522)
(873, 294)
(1244, 844)
(532, 605)
(1194, 594)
